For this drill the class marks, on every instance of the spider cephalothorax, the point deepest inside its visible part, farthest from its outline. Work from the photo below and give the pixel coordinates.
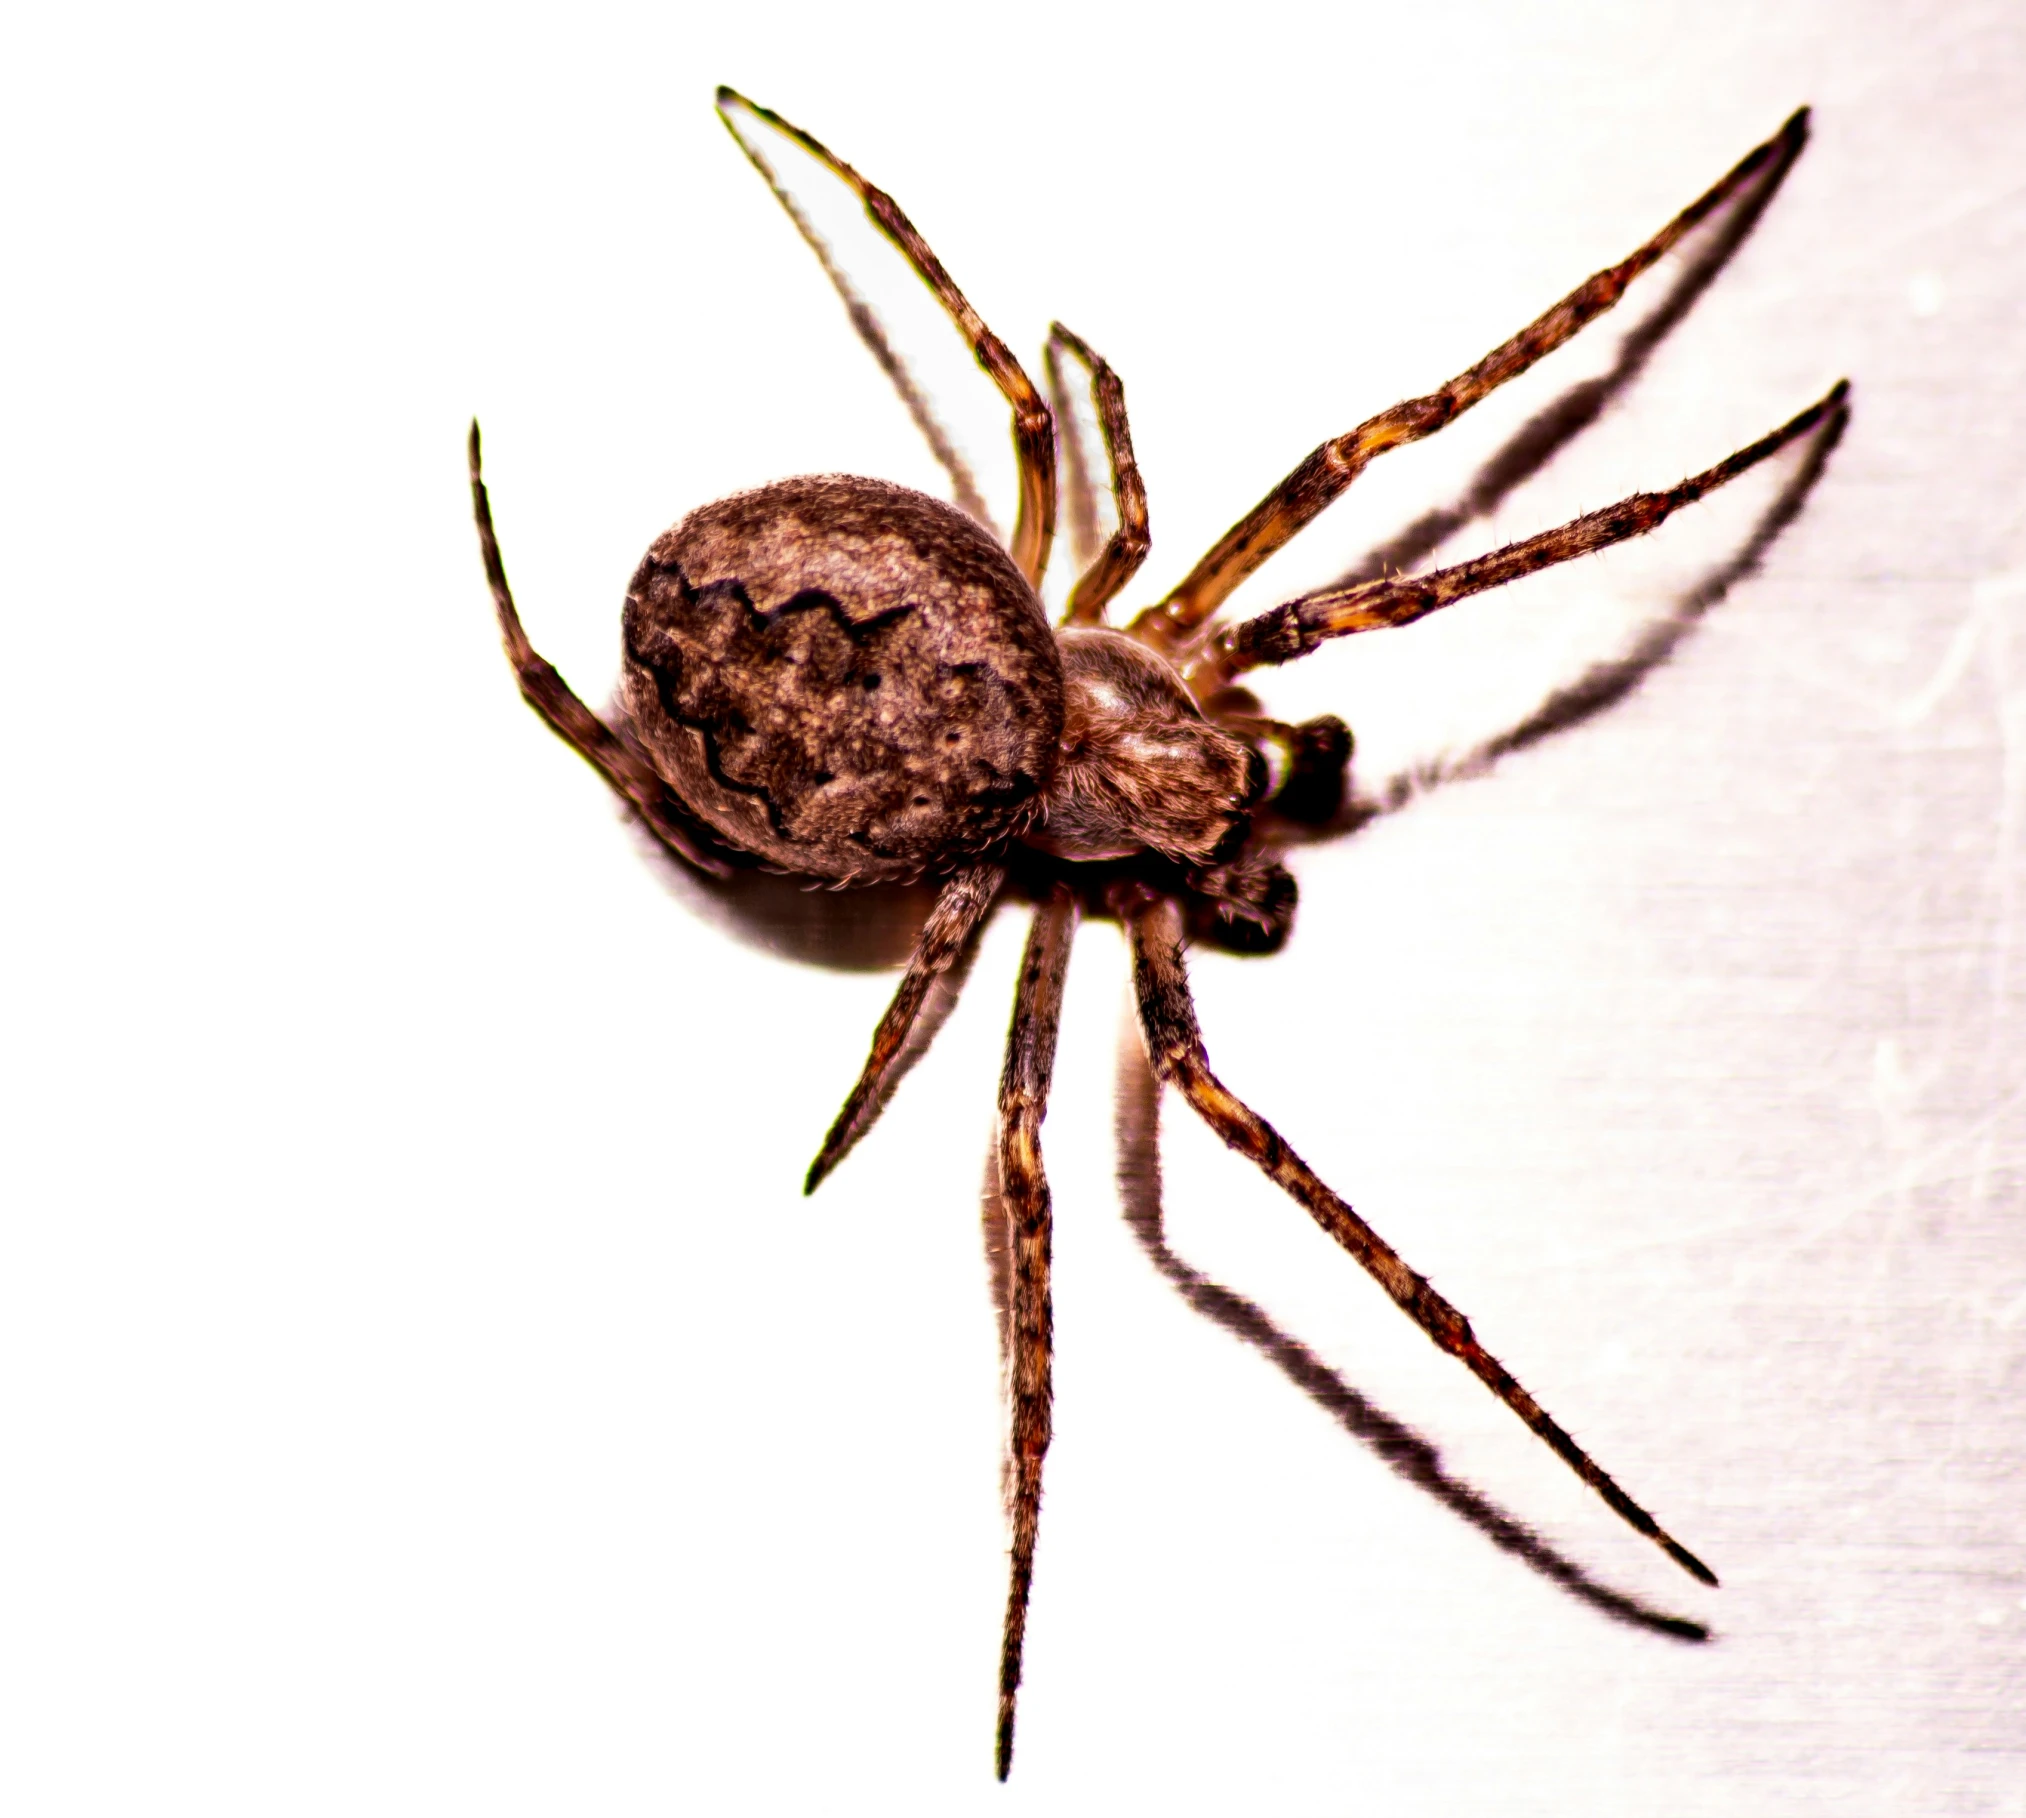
(855, 683)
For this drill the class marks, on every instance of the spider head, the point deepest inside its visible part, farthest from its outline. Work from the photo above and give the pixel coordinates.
(1140, 769)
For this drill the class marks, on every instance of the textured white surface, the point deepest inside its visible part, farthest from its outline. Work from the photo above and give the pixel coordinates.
(421, 1385)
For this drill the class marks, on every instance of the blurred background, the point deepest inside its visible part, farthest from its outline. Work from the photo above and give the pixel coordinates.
(423, 1386)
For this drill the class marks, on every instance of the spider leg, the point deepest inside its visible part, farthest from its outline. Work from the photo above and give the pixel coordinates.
(1033, 423)
(1079, 495)
(632, 778)
(873, 333)
(1128, 545)
(1402, 1450)
(1604, 684)
(965, 900)
(1023, 1191)
(1323, 476)
(1175, 1047)
(1551, 429)
(1301, 625)
(998, 1239)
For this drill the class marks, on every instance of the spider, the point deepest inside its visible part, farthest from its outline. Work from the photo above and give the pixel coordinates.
(853, 683)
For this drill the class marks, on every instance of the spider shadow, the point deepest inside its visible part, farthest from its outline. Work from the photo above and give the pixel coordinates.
(871, 928)
(1402, 1450)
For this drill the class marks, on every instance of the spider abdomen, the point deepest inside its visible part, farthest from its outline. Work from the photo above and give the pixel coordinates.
(847, 679)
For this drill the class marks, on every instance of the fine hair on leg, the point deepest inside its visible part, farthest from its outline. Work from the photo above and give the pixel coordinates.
(1529, 449)
(1395, 1444)
(872, 332)
(1301, 625)
(1077, 507)
(966, 899)
(632, 778)
(1120, 559)
(1175, 1049)
(1033, 422)
(1023, 1193)
(1604, 684)
(1323, 475)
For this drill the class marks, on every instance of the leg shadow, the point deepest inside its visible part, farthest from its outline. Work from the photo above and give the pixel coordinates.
(1396, 1444)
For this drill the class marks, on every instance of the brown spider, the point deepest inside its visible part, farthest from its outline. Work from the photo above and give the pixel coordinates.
(850, 682)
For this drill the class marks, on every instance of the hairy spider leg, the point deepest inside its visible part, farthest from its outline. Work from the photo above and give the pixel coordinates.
(1127, 547)
(966, 898)
(1552, 428)
(1023, 1193)
(1403, 1451)
(631, 776)
(1175, 1047)
(873, 333)
(1323, 475)
(1314, 754)
(1604, 684)
(1078, 509)
(1301, 625)
(1033, 422)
